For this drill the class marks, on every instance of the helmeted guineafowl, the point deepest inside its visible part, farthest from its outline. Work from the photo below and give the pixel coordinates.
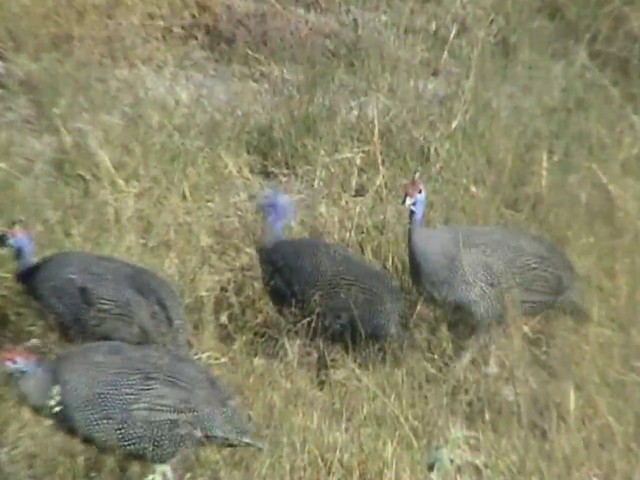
(143, 401)
(351, 300)
(97, 297)
(473, 269)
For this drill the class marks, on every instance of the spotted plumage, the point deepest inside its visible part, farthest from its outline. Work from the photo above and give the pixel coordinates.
(142, 400)
(98, 297)
(350, 299)
(474, 269)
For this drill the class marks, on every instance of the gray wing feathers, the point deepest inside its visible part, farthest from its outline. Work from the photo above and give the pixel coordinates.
(101, 298)
(479, 266)
(145, 400)
(348, 294)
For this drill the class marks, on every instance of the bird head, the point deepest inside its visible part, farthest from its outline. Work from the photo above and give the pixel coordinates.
(17, 238)
(17, 360)
(415, 195)
(22, 244)
(278, 210)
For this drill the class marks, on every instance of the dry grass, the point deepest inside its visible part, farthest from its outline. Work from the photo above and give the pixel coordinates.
(145, 130)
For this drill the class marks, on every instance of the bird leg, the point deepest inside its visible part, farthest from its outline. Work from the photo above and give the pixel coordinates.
(322, 365)
(463, 362)
(174, 468)
(482, 339)
(492, 366)
(161, 471)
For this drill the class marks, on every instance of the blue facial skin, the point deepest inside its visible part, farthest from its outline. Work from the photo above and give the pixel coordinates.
(23, 249)
(278, 211)
(418, 207)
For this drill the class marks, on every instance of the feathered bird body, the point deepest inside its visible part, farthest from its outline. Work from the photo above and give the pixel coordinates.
(98, 297)
(142, 400)
(351, 299)
(475, 268)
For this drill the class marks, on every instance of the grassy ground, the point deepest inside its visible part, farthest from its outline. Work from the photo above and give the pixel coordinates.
(146, 129)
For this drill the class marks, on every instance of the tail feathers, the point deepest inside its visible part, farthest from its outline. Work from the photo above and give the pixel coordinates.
(250, 442)
(235, 442)
(575, 304)
(579, 313)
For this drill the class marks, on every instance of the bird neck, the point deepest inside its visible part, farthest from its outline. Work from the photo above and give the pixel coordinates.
(416, 215)
(274, 232)
(24, 258)
(35, 386)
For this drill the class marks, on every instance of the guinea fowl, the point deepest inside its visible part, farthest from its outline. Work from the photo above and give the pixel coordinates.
(474, 269)
(143, 401)
(98, 297)
(351, 300)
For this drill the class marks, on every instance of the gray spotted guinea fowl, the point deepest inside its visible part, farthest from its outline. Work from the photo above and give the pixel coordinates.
(352, 301)
(143, 401)
(98, 297)
(473, 269)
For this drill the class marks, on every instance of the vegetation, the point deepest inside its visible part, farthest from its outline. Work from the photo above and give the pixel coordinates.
(146, 129)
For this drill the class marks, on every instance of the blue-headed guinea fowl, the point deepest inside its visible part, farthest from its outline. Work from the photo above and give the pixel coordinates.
(142, 401)
(352, 301)
(98, 297)
(473, 269)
